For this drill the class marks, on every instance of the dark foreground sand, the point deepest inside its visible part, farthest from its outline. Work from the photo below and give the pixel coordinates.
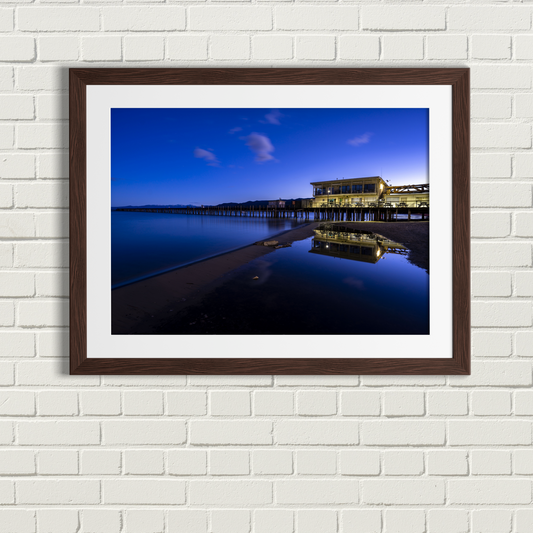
(141, 307)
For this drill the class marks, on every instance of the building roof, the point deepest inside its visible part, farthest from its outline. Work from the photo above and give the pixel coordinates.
(350, 180)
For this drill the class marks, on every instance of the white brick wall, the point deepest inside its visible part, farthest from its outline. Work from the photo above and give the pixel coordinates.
(262, 454)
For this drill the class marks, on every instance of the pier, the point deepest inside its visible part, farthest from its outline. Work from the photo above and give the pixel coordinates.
(385, 213)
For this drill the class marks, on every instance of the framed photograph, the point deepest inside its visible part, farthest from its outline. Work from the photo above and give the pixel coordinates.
(269, 221)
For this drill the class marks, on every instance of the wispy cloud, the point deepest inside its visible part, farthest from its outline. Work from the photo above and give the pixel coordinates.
(234, 130)
(273, 117)
(209, 157)
(261, 146)
(361, 139)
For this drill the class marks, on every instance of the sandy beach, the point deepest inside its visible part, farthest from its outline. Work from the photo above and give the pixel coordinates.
(141, 307)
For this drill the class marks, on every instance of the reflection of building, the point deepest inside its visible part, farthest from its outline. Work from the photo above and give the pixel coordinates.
(366, 247)
(357, 192)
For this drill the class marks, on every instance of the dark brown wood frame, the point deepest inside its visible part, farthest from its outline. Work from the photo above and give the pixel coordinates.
(459, 79)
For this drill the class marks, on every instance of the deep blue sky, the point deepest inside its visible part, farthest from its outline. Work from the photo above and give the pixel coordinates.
(210, 156)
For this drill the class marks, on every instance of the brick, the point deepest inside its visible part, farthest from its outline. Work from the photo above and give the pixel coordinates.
(52, 166)
(496, 374)
(229, 462)
(7, 377)
(186, 403)
(501, 77)
(403, 381)
(448, 521)
(403, 403)
(279, 403)
(230, 492)
(144, 462)
(322, 521)
(58, 403)
(157, 18)
(15, 107)
(403, 47)
(230, 403)
(487, 520)
(496, 18)
(523, 403)
(234, 47)
(319, 462)
(489, 432)
(143, 491)
(317, 432)
(523, 224)
(143, 403)
(108, 48)
(16, 284)
(524, 520)
(7, 314)
(316, 18)
(405, 521)
(317, 47)
(491, 403)
(237, 432)
(524, 105)
(187, 462)
(144, 48)
(101, 462)
(491, 106)
(6, 198)
(58, 492)
(43, 313)
(6, 20)
(51, 372)
(187, 47)
(230, 381)
(361, 520)
(17, 521)
(317, 492)
(52, 107)
(51, 225)
(489, 491)
(490, 224)
(447, 463)
(403, 463)
(490, 462)
(58, 48)
(403, 18)
(268, 520)
(145, 521)
(403, 492)
(7, 492)
(187, 521)
(490, 135)
(231, 521)
(58, 18)
(17, 225)
(523, 462)
(17, 48)
(272, 47)
(227, 18)
(17, 344)
(272, 462)
(491, 165)
(101, 520)
(360, 403)
(16, 462)
(402, 433)
(491, 344)
(31, 136)
(360, 463)
(523, 165)
(7, 136)
(51, 284)
(57, 520)
(17, 166)
(144, 381)
(501, 314)
(58, 432)
(57, 462)
(446, 403)
(317, 381)
(523, 44)
(491, 46)
(6, 255)
(36, 78)
(491, 284)
(447, 46)
(6, 74)
(501, 195)
(143, 432)
(317, 403)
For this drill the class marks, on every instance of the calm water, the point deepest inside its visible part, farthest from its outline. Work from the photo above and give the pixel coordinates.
(311, 289)
(147, 243)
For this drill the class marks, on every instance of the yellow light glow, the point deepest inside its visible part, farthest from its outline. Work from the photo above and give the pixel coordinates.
(378, 253)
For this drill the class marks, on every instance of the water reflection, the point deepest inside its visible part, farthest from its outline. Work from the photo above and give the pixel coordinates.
(354, 245)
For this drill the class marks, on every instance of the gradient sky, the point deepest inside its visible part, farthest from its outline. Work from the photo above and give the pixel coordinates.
(210, 156)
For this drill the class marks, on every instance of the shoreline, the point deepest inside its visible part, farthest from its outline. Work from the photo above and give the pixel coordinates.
(139, 307)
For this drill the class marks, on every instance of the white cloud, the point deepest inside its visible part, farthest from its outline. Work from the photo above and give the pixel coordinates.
(207, 156)
(362, 139)
(261, 146)
(273, 117)
(234, 130)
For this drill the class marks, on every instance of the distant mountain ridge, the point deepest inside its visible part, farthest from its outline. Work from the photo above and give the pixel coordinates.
(248, 203)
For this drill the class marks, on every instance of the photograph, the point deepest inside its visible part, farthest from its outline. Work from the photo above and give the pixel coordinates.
(262, 221)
